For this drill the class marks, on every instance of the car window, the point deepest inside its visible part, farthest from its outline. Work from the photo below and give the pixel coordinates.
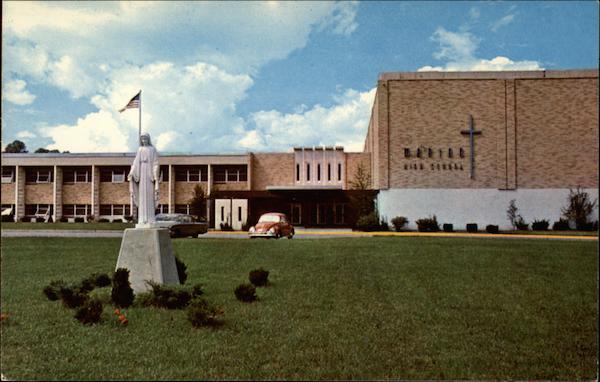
(269, 219)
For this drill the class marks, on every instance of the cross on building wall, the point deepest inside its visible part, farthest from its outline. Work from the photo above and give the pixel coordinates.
(471, 133)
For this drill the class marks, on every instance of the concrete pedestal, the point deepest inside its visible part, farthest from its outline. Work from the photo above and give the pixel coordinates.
(148, 255)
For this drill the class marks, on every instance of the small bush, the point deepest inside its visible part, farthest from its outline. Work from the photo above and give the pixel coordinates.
(587, 226)
(399, 222)
(89, 313)
(226, 227)
(25, 219)
(128, 218)
(428, 224)
(122, 294)
(167, 297)
(368, 222)
(8, 218)
(118, 221)
(87, 285)
(52, 291)
(245, 292)
(40, 220)
(103, 220)
(448, 227)
(64, 219)
(246, 226)
(79, 219)
(521, 225)
(72, 296)
(197, 290)
(540, 225)
(491, 228)
(201, 313)
(90, 218)
(561, 225)
(472, 227)
(181, 270)
(101, 280)
(258, 277)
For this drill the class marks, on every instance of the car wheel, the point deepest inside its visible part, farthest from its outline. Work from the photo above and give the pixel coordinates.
(290, 236)
(174, 233)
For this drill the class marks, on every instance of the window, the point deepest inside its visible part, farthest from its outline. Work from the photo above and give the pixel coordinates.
(339, 171)
(319, 172)
(340, 210)
(450, 153)
(308, 172)
(8, 174)
(227, 174)
(430, 152)
(239, 213)
(115, 209)
(295, 217)
(114, 174)
(182, 209)
(74, 210)
(162, 209)
(329, 171)
(38, 210)
(222, 213)
(38, 175)
(461, 153)
(297, 172)
(191, 173)
(77, 174)
(8, 210)
(418, 153)
(164, 174)
(407, 153)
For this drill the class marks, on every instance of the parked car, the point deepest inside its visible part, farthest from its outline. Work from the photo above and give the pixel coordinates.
(181, 225)
(272, 224)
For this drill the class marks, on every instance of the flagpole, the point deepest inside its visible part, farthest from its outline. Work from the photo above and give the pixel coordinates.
(140, 123)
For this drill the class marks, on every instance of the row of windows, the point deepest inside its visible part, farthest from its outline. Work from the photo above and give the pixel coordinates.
(222, 174)
(339, 172)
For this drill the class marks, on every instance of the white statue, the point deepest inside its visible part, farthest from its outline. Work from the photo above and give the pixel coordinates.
(143, 182)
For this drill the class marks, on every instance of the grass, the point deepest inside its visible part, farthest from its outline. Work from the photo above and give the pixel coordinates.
(67, 226)
(353, 308)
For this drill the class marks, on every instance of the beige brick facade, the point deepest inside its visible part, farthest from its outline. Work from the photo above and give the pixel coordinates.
(538, 130)
(272, 169)
(39, 193)
(114, 193)
(8, 193)
(353, 161)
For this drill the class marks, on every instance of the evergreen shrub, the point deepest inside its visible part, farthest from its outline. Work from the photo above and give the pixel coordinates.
(181, 270)
(561, 225)
(472, 227)
(90, 312)
(258, 277)
(447, 227)
(163, 296)
(245, 292)
(122, 294)
(490, 228)
(428, 224)
(201, 313)
(52, 291)
(540, 225)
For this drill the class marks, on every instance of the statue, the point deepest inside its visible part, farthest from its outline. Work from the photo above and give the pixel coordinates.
(143, 182)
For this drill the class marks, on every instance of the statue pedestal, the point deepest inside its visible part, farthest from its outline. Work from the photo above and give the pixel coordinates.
(148, 255)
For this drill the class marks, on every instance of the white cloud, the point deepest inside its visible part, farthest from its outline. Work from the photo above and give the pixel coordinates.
(474, 13)
(25, 134)
(14, 91)
(458, 49)
(502, 22)
(342, 19)
(345, 123)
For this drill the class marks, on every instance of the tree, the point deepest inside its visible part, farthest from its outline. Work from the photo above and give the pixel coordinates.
(362, 182)
(579, 208)
(198, 202)
(42, 150)
(362, 178)
(15, 147)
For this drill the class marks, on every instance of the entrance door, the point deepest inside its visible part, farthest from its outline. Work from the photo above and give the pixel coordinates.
(324, 213)
(296, 213)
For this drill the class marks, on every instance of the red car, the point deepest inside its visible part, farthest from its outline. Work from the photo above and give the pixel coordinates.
(272, 224)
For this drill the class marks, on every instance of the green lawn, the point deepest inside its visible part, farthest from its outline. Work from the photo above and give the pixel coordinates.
(352, 308)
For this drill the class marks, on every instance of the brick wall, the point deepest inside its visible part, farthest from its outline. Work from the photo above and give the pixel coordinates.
(184, 191)
(114, 193)
(539, 130)
(8, 193)
(39, 193)
(353, 160)
(77, 193)
(272, 169)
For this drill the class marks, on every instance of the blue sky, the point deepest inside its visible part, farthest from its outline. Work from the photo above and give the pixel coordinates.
(253, 76)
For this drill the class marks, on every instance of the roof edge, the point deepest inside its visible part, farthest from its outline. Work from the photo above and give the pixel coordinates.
(439, 75)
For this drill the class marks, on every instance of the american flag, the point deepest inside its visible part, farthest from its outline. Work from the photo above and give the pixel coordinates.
(134, 103)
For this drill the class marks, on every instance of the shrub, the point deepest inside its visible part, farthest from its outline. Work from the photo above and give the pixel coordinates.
(40, 220)
(89, 313)
(245, 292)
(122, 294)
(520, 224)
(383, 225)
(128, 218)
(246, 226)
(52, 291)
(101, 280)
(579, 207)
(25, 219)
(72, 296)
(540, 225)
(86, 285)
(90, 218)
(201, 313)
(472, 227)
(167, 297)
(512, 213)
(448, 227)
(79, 219)
(197, 290)
(561, 225)
(64, 219)
(103, 220)
(226, 227)
(258, 277)
(588, 226)
(368, 222)
(118, 221)
(491, 228)
(8, 218)
(428, 224)
(181, 270)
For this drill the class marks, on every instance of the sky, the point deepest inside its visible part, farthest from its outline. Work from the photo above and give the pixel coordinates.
(233, 77)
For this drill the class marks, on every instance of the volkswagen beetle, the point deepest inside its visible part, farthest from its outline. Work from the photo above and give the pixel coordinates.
(272, 224)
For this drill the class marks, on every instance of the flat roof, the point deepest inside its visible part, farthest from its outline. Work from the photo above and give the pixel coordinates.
(508, 74)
